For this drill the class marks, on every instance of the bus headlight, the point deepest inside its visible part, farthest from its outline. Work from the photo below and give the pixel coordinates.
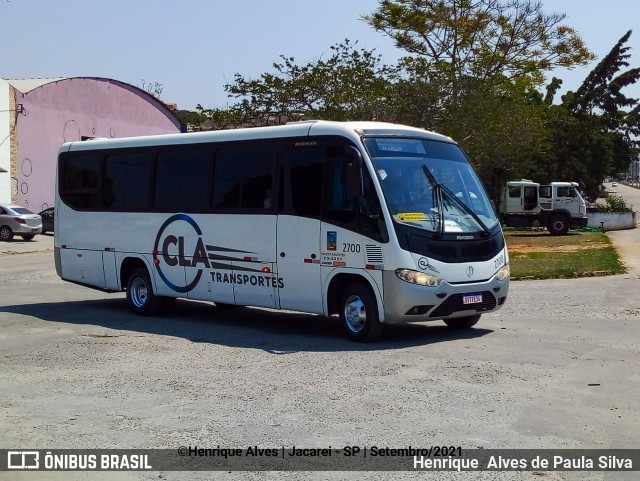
(420, 278)
(503, 273)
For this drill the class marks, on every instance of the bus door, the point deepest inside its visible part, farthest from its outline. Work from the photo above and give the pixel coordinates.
(299, 264)
(298, 233)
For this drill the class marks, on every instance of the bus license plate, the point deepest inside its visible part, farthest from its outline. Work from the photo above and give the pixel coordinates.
(473, 298)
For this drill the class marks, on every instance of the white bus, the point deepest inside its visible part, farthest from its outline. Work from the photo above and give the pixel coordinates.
(378, 223)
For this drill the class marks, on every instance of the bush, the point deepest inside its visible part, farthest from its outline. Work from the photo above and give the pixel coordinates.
(615, 203)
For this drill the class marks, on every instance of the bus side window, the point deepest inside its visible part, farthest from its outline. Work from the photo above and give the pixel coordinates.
(372, 221)
(181, 180)
(305, 169)
(339, 207)
(243, 178)
(124, 185)
(361, 215)
(80, 176)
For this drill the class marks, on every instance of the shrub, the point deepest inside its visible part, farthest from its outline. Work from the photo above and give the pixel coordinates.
(615, 203)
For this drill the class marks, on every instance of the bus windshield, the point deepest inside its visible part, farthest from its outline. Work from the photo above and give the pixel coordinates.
(430, 185)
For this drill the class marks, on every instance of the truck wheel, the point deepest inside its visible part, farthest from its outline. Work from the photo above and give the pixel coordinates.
(462, 322)
(558, 225)
(359, 313)
(140, 296)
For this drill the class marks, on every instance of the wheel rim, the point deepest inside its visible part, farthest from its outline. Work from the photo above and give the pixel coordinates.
(355, 313)
(139, 294)
(4, 233)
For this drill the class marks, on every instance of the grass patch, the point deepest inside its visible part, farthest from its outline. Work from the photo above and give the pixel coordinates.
(539, 255)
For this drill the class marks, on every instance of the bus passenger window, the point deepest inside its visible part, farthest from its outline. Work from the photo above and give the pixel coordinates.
(182, 178)
(243, 178)
(305, 180)
(80, 177)
(124, 185)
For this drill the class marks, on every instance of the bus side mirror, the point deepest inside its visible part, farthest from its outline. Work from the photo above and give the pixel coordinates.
(353, 172)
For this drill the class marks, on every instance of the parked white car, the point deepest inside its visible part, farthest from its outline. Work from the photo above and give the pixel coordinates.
(15, 219)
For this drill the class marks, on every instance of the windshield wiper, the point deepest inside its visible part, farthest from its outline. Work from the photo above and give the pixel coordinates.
(438, 199)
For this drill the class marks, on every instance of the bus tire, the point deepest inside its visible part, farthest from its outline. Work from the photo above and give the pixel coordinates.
(558, 225)
(359, 313)
(462, 322)
(140, 297)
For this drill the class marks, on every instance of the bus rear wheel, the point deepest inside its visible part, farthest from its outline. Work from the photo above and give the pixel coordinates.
(140, 296)
(359, 313)
(462, 322)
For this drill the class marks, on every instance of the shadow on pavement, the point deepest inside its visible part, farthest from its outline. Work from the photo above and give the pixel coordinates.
(277, 332)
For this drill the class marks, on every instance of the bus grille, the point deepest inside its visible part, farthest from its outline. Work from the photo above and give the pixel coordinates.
(374, 254)
(454, 303)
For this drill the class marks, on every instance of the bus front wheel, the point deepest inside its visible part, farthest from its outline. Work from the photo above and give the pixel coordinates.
(359, 313)
(140, 296)
(462, 322)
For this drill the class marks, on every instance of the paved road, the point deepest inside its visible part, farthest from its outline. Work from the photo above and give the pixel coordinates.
(627, 242)
(557, 367)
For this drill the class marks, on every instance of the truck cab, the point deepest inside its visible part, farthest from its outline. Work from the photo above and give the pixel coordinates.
(557, 206)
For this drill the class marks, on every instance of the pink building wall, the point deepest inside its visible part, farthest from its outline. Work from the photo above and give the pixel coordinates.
(70, 110)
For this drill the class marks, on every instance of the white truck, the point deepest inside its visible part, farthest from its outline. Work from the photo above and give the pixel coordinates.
(557, 206)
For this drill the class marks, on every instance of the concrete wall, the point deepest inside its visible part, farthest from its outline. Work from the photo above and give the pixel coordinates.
(71, 110)
(612, 220)
(5, 143)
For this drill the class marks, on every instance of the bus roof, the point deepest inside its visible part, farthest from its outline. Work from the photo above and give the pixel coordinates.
(294, 129)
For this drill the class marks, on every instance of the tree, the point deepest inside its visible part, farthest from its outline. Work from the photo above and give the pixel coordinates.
(473, 72)
(351, 84)
(481, 39)
(592, 133)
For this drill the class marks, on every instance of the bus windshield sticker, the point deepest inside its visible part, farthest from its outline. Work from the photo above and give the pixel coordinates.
(412, 216)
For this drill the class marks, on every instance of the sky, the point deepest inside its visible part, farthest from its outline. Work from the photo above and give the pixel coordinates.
(192, 48)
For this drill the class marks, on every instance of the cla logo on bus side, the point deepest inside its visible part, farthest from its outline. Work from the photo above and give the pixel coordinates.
(176, 234)
(171, 242)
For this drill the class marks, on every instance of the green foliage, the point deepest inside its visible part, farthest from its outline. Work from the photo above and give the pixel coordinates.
(591, 134)
(614, 203)
(483, 38)
(351, 84)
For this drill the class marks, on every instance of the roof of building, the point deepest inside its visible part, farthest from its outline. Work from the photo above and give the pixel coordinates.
(26, 84)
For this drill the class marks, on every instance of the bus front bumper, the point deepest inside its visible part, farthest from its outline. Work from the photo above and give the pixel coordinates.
(406, 302)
